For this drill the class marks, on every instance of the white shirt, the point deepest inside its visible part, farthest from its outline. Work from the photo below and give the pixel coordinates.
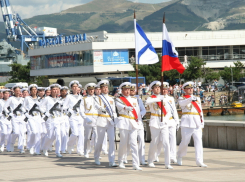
(125, 119)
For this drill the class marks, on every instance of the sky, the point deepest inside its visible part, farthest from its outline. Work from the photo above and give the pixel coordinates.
(30, 8)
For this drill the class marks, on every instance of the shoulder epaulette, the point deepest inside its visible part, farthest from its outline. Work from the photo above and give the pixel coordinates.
(85, 97)
(134, 97)
(111, 96)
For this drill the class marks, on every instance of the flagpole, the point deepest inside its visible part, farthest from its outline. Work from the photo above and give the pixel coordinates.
(136, 57)
(162, 78)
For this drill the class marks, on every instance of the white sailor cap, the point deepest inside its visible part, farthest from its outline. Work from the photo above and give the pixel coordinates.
(47, 88)
(80, 86)
(165, 84)
(40, 88)
(73, 82)
(133, 86)
(189, 84)
(103, 83)
(90, 86)
(25, 89)
(125, 85)
(54, 85)
(30, 86)
(17, 86)
(5, 90)
(155, 83)
(64, 88)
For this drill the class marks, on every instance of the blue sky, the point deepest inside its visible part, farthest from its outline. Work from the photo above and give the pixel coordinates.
(30, 8)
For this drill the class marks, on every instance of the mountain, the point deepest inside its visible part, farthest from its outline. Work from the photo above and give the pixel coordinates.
(117, 16)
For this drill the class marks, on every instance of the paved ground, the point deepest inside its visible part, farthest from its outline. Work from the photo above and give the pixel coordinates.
(223, 165)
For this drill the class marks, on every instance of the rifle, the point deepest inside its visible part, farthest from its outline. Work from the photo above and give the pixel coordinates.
(34, 109)
(17, 109)
(76, 105)
(5, 114)
(54, 108)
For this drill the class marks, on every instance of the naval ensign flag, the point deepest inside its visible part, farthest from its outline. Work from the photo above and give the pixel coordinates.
(144, 51)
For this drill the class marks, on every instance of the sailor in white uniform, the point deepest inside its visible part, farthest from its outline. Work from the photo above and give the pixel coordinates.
(192, 122)
(17, 114)
(72, 105)
(173, 124)
(158, 127)
(65, 125)
(105, 123)
(90, 115)
(128, 123)
(31, 104)
(52, 109)
(140, 131)
(5, 122)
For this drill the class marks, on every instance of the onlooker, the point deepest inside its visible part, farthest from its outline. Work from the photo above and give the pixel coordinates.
(132, 59)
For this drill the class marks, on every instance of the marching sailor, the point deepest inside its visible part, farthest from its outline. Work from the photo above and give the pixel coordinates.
(5, 122)
(105, 123)
(173, 124)
(17, 114)
(128, 122)
(140, 131)
(65, 125)
(34, 119)
(51, 107)
(47, 91)
(158, 127)
(72, 105)
(192, 122)
(90, 115)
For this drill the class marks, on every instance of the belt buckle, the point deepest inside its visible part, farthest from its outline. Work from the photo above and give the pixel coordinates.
(53, 116)
(35, 114)
(18, 114)
(64, 114)
(77, 114)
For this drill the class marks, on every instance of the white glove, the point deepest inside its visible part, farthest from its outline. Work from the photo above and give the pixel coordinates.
(193, 98)
(177, 127)
(47, 114)
(88, 121)
(128, 108)
(27, 115)
(11, 114)
(100, 108)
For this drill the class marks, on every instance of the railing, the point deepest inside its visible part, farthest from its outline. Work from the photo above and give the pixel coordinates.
(216, 57)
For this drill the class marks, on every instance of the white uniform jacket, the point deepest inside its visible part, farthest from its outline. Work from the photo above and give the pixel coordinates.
(29, 103)
(13, 102)
(47, 103)
(126, 119)
(88, 110)
(155, 120)
(169, 100)
(190, 117)
(70, 101)
(104, 118)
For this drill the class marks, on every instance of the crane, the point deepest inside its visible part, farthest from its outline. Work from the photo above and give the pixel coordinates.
(15, 27)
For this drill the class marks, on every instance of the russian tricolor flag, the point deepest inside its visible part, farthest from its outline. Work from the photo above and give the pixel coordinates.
(170, 58)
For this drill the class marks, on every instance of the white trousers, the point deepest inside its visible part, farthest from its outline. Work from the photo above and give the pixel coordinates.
(104, 145)
(35, 130)
(159, 135)
(65, 126)
(19, 129)
(186, 134)
(172, 143)
(77, 135)
(53, 133)
(6, 129)
(128, 136)
(43, 134)
(101, 135)
(88, 129)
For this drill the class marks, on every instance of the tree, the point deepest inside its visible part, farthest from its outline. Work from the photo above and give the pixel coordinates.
(173, 75)
(20, 73)
(210, 75)
(227, 75)
(194, 69)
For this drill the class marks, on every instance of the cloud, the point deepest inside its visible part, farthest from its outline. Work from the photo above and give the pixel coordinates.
(30, 8)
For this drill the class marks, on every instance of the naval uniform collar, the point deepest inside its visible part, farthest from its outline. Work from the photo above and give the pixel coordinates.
(127, 97)
(104, 94)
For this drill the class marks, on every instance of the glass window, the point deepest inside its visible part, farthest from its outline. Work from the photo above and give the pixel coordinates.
(181, 51)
